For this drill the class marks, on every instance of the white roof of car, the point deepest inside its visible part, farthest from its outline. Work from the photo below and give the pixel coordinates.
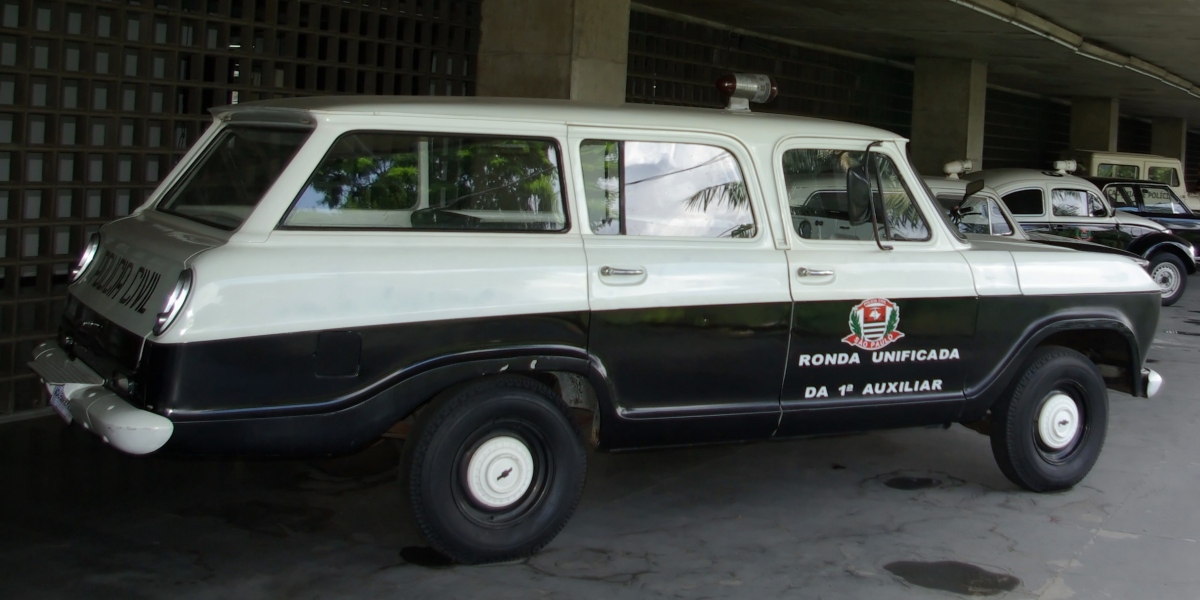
(1001, 179)
(568, 112)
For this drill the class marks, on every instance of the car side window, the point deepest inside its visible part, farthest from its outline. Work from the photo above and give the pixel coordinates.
(444, 182)
(1076, 203)
(1121, 196)
(975, 215)
(1024, 202)
(1160, 200)
(1118, 171)
(816, 188)
(665, 189)
(1167, 175)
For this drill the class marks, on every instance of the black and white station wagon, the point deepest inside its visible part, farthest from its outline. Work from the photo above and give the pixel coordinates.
(316, 271)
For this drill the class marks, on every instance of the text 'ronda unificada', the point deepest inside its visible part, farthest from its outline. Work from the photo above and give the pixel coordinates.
(829, 359)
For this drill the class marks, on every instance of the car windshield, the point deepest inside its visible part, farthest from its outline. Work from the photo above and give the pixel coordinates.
(224, 185)
(977, 214)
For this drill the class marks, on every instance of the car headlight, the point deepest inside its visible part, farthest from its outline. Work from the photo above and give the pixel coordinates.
(175, 302)
(86, 257)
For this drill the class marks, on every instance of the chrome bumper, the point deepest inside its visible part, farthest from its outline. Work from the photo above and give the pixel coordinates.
(98, 409)
(1151, 381)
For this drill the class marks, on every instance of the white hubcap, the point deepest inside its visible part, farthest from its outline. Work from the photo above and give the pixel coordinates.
(1058, 421)
(500, 472)
(1167, 277)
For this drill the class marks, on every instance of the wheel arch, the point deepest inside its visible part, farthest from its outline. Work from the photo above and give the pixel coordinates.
(1109, 342)
(573, 375)
(1150, 247)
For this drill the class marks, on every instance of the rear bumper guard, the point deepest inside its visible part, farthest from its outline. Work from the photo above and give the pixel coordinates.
(84, 398)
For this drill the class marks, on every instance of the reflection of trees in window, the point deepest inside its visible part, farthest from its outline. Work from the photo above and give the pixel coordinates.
(904, 221)
(382, 172)
(900, 218)
(376, 182)
(601, 179)
(500, 175)
(608, 189)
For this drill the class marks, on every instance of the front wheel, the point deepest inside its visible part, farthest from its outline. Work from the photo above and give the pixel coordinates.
(1169, 273)
(1048, 433)
(493, 470)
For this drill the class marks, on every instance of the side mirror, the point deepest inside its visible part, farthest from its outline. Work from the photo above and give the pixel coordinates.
(973, 188)
(1100, 212)
(858, 195)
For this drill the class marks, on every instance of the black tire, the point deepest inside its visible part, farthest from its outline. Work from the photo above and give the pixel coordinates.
(1166, 269)
(1058, 379)
(495, 415)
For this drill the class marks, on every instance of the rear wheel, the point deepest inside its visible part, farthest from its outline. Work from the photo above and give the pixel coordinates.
(493, 470)
(1048, 433)
(1170, 275)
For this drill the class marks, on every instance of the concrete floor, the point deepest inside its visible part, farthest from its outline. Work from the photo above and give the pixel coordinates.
(801, 519)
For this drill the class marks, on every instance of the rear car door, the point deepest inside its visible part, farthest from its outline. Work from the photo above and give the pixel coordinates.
(880, 338)
(689, 297)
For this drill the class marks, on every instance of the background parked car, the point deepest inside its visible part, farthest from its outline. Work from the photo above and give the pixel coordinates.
(982, 214)
(1057, 203)
(1132, 165)
(1154, 201)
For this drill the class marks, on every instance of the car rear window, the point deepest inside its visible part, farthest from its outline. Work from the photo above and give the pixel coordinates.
(225, 184)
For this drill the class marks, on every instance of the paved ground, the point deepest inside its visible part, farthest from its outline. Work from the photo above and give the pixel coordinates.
(803, 519)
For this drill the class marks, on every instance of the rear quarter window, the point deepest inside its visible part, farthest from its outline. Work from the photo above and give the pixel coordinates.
(1024, 202)
(225, 184)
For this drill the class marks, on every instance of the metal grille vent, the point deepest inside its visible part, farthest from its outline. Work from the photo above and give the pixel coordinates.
(98, 100)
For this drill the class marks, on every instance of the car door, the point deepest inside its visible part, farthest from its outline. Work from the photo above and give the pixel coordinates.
(1080, 213)
(689, 297)
(1159, 203)
(880, 337)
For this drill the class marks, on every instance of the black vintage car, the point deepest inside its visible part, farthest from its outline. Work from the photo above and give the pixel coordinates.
(1155, 201)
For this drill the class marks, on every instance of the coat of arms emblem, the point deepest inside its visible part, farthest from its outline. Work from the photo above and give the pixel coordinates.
(873, 324)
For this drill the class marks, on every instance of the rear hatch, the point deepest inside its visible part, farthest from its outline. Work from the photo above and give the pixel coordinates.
(112, 308)
(135, 268)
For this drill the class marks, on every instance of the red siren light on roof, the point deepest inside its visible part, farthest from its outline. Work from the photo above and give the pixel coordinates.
(740, 89)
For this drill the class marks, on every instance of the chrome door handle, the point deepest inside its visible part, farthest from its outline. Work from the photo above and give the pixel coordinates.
(611, 271)
(806, 272)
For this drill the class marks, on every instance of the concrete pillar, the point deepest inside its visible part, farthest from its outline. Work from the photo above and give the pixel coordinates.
(949, 97)
(576, 49)
(1094, 123)
(1168, 137)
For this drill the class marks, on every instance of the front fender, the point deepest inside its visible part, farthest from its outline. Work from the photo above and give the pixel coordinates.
(1148, 245)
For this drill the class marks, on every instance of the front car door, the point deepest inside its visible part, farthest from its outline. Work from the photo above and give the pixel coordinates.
(880, 338)
(689, 296)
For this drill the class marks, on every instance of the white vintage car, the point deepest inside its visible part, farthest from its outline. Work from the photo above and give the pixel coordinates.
(1054, 202)
(317, 271)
